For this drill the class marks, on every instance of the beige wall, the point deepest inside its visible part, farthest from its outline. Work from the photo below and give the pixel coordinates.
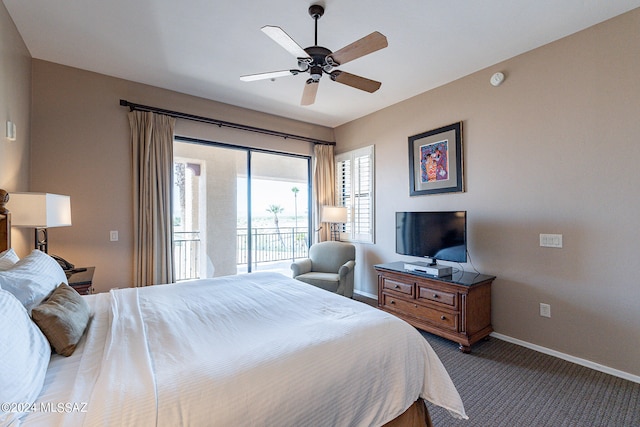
(15, 105)
(80, 147)
(555, 149)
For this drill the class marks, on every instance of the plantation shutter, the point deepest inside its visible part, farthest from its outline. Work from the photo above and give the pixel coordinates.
(355, 191)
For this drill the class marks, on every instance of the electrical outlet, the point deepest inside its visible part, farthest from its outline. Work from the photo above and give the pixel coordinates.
(545, 310)
(113, 236)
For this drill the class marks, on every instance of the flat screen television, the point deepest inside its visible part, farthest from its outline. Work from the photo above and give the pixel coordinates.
(434, 235)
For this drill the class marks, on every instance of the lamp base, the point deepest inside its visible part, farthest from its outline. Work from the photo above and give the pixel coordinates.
(42, 240)
(335, 231)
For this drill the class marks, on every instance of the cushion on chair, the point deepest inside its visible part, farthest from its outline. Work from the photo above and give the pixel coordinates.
(327, 281)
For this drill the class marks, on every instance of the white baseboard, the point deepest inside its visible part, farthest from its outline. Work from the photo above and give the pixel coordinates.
(568, 357)
(555, 353)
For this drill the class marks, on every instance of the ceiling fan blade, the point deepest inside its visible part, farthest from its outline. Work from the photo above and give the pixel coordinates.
(357, 82)
(278, 35)
(309, 93)
(269, 75)
(366, 45)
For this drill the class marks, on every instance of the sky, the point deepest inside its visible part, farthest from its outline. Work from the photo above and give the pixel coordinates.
(266, 192)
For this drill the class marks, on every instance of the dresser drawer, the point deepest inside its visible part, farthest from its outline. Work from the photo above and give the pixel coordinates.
(436, 295)
(392, 285)
(441, 319)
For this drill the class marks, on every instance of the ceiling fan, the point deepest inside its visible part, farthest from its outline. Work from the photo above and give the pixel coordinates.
(317, 60)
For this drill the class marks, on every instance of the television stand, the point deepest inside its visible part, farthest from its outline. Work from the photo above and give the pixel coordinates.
(456, 307)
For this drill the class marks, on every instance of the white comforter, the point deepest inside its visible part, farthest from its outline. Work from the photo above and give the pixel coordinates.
(258, 349)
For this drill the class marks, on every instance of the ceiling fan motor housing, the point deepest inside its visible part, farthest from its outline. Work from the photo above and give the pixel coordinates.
(318, 64)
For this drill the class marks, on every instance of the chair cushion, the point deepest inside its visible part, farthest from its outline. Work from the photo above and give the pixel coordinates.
(328, 281)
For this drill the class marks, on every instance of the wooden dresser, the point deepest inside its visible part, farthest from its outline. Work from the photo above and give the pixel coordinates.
(456, 307)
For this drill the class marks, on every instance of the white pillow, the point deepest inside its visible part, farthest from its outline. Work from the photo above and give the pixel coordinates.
(25, 354)
(7, 259)
(33, 278)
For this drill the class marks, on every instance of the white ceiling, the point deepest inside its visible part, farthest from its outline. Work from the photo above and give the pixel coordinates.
(201, 47)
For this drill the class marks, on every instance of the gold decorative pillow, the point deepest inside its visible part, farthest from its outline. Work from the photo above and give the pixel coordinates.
(63, 318)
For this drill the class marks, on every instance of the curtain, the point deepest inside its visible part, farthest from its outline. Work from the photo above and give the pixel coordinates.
(152, 146)
(324, 185)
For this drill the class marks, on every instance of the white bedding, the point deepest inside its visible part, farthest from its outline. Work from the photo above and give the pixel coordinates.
(256, 349)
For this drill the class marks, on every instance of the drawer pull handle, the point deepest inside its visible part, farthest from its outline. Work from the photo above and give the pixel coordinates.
(397, 286)
(435, 295)
(415, 305)
(392, 302)
(443, 318)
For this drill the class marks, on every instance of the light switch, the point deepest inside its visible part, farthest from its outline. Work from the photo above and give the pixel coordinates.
(113, 235)
(551, 240)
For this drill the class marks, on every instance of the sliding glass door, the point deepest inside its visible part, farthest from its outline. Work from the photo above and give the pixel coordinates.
(238, 210)
(280, 220)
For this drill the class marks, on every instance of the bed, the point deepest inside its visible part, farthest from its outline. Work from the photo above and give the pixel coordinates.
(258, 349)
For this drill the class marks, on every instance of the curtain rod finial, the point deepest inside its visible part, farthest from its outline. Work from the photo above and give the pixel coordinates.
(124, 103)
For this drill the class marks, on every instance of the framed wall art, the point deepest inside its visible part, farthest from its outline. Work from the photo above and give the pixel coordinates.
(435, 161)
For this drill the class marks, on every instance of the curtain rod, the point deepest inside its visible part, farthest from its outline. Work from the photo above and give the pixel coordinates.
(221, 123)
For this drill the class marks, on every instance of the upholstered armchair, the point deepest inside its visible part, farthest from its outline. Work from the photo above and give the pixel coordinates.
(329, 266)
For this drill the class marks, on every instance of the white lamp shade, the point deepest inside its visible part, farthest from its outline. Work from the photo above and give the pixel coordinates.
(334, 214)
(39, 210)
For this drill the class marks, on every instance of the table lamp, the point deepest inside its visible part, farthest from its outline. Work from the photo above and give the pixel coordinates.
(40, 211)
(334, 215)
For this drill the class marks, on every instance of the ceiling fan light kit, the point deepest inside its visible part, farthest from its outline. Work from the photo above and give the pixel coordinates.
(317, 60)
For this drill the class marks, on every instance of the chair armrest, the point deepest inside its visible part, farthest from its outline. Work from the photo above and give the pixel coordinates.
(346, 268)
(301, 267)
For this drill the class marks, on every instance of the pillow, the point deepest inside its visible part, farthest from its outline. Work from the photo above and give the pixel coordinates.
(24, 353)
(7, 259)
(62, 318)
(33, 278)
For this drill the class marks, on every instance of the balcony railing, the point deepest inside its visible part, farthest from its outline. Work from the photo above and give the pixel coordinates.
(272, 244)
(267, 244)
(186, 254)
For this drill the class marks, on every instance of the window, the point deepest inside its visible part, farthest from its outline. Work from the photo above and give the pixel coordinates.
(238, 209)
(355, 190)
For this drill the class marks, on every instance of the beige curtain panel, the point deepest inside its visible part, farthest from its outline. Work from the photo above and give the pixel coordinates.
(324, 184)
(152, 146)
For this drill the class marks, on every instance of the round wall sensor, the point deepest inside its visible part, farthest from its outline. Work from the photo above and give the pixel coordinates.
(497, 79)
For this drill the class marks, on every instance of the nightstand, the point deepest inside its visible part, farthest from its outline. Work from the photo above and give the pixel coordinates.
(81, 281)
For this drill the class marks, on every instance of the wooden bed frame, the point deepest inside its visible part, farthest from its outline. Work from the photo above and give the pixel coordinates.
(416, 416)
(5, 222)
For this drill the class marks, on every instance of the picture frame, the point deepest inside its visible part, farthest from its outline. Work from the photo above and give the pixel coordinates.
(436, 161)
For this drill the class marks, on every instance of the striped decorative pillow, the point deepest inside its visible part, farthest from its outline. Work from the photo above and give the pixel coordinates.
(33, 278)
(7, 259)
(25, 354)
